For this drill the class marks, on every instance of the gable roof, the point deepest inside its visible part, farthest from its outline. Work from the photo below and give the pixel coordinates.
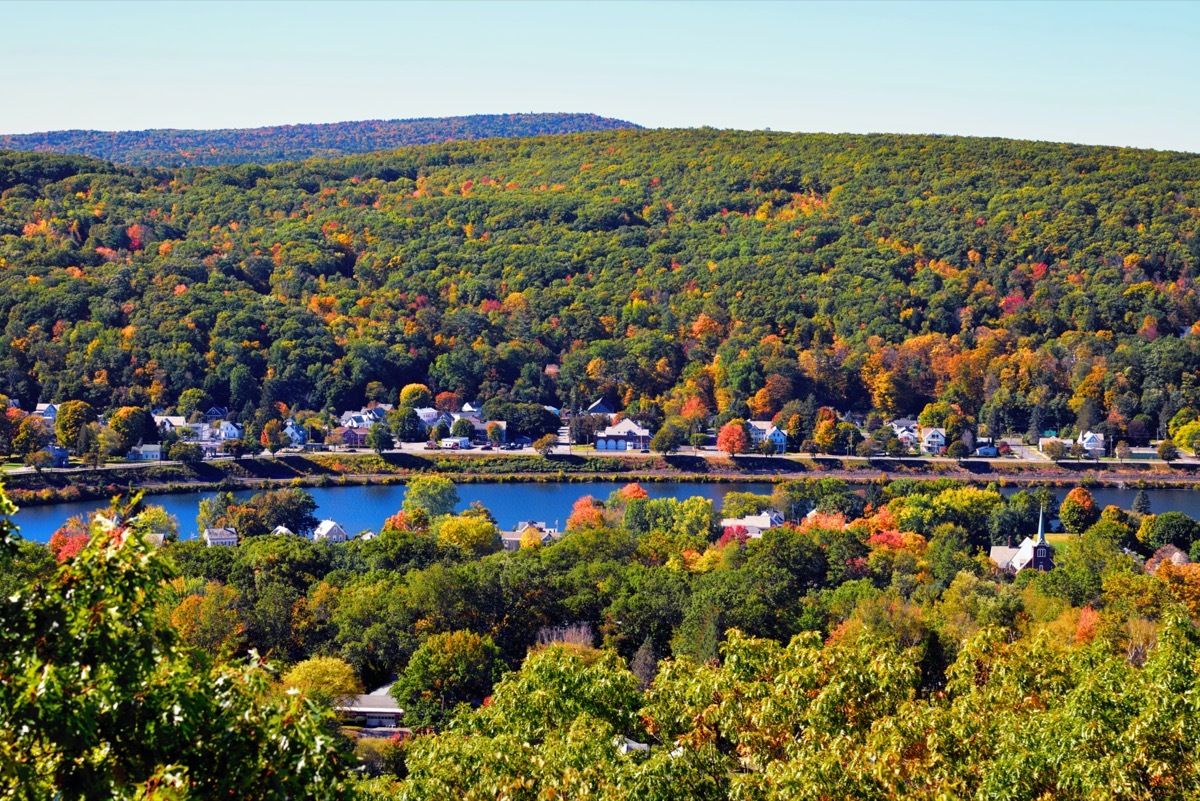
(601, 406)
(627, 428)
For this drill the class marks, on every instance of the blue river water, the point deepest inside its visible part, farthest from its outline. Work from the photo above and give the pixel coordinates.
(360, 508)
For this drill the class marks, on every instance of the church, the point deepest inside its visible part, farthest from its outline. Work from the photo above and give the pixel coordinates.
(1037, 554)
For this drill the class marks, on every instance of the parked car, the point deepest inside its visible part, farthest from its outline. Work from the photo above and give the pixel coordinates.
(431, 446)
(487, 448)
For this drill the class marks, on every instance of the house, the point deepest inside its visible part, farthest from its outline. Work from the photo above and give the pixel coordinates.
(228, 430)
(1044, 441)
(58, 455)
(295, 432)
(624, 436)
(481, 429)
(761, 429)
(1093, 443)
(215, 414)
(145, 453)
(472, 409)
(933, 440)
(282, 531)
(1037, 554)
(755, 525)
(351, 437)
(376, 710)
(367, 535)
(1167, 553)
(430, 417)
(331, 531)
(904, 424)
(601, 406)
(986, 447)
(46, 411)
(220, 536)
(366, 416)
(173, 424)
(511, 540)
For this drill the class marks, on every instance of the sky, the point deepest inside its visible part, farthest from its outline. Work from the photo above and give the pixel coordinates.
(1097, 73)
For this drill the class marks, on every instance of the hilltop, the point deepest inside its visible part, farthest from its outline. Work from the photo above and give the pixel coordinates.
(170, 147)
(1028, 285)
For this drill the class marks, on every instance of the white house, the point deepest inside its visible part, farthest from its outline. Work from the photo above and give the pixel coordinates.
(220, 536)
(511, 540)
(601, 406)
(472, 408)
(174, 424)
(1035, 553)
(755, 525)
(624, 436)
(1092, 442)
(329, 530)
(762, 429)
(430, 417)
(282, 530)
(145, 453)
(933, 440)
(455, 443)
(215, 413)
(46, 411)
(374, 711)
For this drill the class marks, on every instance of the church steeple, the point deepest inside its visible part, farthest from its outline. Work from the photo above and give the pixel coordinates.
(1041, 538)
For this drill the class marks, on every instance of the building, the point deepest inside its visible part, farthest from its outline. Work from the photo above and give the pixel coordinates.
(295, 432)
(331, 531)
(1037, 554)
(215, 414)
(472, 409)
(282, 531)
(455, 443)
(511, 540)
(430, 417)
(624, 436)
(1167, 553)
(761, 429)
(375, 710)
(220, 536)
(46, 411)
(145, 453)
(351, 437)
(1093, 443)
(1044, 441)
(601, 406)
(933, 441)
(58, 455)
(174, 424)
(755, 525)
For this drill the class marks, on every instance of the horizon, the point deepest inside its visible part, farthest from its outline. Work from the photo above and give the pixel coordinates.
(978, 70)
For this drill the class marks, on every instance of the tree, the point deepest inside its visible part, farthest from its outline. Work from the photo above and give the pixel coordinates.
(435, 495)
(325, 679)
(273, 437)
(39, 460)
(406, 425)
(1055, 449)
(132, 424)
(73, 417)
(415, 396)
(732, 438)
(1141, 502)
(766, 447)
(1078, 511)
(698, 441)
(1167, 451)
(186, 452)
(667, 440)
(33, 434)
(191, 401)
(243, 388)
(439, 432)
(379, 438)
(1123, 451)
(118, 666)
(457, 667)
(1173, 528)
(89, 445)
(462, 428)
(545, 445)
(958, 450)
(475, 535)
(495, 433)
(209, 620)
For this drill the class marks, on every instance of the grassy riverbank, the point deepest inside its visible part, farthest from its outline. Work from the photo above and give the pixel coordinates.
(319, 470)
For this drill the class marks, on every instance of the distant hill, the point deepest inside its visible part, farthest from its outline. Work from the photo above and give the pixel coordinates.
(167, 147)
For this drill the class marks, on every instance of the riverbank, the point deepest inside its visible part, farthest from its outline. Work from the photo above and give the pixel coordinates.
(347, 469)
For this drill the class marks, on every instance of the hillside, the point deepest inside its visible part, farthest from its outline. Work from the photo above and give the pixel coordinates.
(1031, 285)
(168, 147)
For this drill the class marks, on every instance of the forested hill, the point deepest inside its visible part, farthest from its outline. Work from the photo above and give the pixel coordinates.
(1033, 285)
(168, 147)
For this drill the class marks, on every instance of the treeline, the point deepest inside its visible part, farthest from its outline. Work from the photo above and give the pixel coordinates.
(174, 148)
(680, 274)
(868, 648)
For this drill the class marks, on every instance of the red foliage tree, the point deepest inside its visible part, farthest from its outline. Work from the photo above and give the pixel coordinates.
(732, 438)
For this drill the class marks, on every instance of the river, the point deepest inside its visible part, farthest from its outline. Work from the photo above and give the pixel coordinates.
(360, 508)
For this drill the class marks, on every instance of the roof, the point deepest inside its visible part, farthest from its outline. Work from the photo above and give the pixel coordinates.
(220, 534)
(626, 428)
(378, 702)
(328, 528)
(600, 406)
(282, 530)
(1167, 553)
(1003, 555)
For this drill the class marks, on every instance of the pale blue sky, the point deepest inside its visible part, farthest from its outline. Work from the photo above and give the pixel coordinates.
(1103, 73)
